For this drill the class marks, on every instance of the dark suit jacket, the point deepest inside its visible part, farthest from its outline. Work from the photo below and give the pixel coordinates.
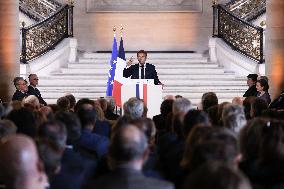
(150, 72)
(251, 91)
(18, 95)
(124, 178)
(36, 92)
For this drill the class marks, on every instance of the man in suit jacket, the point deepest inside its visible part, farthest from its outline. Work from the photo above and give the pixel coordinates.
(21, 89)
(142, 70)
(251, 81)
(128, 151)
(32, 90)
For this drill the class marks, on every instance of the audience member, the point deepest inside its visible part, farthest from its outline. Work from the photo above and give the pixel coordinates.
(208, 99)
(72, 101)
(32, 90)
(165, 109)
(20, 165)
(262, 90)
(127, 152)
(31, 102)
(109, 114)
(257, 107)
(217, 175)
(90, 142)
(251, 82)
(7, 128)
(21, 89)
(278, 103)
(133, 108)
(233, 117)
(63, 104)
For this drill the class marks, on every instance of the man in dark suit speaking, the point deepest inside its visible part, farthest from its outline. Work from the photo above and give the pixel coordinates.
(142, 70)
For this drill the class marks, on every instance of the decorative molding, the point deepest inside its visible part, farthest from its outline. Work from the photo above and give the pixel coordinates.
(93, 6)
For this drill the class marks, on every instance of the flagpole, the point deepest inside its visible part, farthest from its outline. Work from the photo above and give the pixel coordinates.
(114, 31)
(121, 30)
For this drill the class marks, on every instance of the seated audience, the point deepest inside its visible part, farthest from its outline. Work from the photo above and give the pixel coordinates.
(7, 128)
(127, 153)
(20, 165)
(251, 81)
(63, 104)
(133, 108)
(109, 113)
(72, 101)
(32, 90)
(207, 100)
(278, 103)
(262, 90)
(257, 107)
(21, 89)
(217, 175)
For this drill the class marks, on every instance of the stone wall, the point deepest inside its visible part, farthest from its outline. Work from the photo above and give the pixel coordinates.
(152, 31)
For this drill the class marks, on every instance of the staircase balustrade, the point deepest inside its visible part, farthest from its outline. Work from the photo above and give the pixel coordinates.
(241, 35)
(39, 9)
(247, 10)
(45, 35)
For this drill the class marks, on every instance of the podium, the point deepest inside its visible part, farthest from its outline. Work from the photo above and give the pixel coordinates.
(146, 90)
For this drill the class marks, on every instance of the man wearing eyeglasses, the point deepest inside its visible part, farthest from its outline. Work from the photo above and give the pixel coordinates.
(21, 86)
(32, 90)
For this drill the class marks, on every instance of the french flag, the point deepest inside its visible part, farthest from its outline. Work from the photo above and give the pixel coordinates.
(142, 92)
(119, 80)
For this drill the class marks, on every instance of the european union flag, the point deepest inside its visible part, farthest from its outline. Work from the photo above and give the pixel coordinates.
(112, 67)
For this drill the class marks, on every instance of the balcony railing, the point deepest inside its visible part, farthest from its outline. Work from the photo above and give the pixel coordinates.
(45, 35)
(241, 35)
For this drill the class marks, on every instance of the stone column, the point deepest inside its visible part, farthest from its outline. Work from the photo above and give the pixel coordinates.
(274, 50)
(9, 47)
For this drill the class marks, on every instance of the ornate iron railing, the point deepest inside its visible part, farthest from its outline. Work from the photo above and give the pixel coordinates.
(247, 9)
(45, 35)
(39, 9)
(242, 36)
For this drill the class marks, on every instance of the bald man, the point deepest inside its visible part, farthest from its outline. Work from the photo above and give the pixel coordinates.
(128, 151)
(20, 165)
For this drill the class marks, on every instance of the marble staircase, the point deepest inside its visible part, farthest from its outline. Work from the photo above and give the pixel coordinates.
(186, 74)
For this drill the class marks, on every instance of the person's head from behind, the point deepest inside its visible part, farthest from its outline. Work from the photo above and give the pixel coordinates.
(250, 139)
(262, 85)
(20, 84)
(110, 103)
(84, 103)
(217, 175)
(31, 102)
(208, 99)
(88, 118)
(63, 103)
(272, 143)
(33, 79)
(20, 165)
(218, 145)
(251, 79)
(257, 107)
(193, 118)
(166, 107)
(7, 128)
(233, 117)
(142, 56)
(128, 146)
(25, 121)
(73, 126)
(72, 101)
(133, 108)
(51, 144)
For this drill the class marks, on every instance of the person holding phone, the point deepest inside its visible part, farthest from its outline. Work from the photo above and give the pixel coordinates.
(142, 70)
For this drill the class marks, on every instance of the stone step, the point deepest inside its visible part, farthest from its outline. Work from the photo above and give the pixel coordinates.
(158, 66)
(152, 61)
(104, 76)
(189, 89)
(150, 55)
(73, 82)
(160, 71)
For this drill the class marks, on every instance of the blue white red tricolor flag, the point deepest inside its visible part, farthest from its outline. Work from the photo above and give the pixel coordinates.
(112, 68)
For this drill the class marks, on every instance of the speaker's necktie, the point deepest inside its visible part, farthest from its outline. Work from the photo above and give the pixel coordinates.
(142, 72)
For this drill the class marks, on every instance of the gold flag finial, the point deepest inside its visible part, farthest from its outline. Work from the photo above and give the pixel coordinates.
(121, 30)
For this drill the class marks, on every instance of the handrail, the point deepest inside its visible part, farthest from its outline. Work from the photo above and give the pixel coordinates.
(39, 9)
(241, 35)
(41, 37)
(247, 9)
